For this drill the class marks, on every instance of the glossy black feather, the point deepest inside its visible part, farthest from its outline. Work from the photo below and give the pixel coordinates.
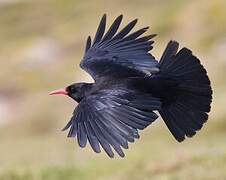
(88, 44)
(125, 30)
(113, 29)
(91, 136)
(100, 30)
(111, 118)
(113, 54)
(185, 109)
(136, 34)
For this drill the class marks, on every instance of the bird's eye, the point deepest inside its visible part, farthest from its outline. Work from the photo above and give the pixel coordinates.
(73, 89)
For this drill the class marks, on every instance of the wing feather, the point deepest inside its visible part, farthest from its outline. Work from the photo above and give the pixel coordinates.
(136, 34)
(113, 29)
(100, 30)
(94, 143)
(112, 118)
(118, 55)
(106, 146)
(88, 43)
(125, 30)
(82, 135)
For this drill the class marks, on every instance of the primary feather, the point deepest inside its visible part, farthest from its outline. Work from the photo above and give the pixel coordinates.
(115, 55)
(112, 118)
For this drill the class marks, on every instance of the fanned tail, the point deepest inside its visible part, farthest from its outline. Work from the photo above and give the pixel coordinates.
(185, 109)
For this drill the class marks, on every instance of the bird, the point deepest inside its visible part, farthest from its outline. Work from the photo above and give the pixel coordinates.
(131, 88)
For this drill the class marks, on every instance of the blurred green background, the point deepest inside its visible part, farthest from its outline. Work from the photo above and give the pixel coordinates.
(41, 43)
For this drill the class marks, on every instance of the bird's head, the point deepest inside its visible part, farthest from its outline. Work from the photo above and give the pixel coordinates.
(76, 91)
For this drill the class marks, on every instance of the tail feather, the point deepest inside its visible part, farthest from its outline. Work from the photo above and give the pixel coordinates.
(186, 111)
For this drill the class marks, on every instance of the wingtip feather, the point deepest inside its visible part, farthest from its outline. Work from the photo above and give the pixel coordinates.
(100, 29)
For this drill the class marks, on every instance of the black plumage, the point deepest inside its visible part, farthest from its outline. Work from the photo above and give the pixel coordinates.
(130, 85)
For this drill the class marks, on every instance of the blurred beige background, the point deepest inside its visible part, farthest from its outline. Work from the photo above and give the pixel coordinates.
(41, 43)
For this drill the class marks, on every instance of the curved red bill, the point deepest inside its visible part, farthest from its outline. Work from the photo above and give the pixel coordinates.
(59, 91)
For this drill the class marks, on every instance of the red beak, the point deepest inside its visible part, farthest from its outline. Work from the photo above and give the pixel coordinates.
(59, 91)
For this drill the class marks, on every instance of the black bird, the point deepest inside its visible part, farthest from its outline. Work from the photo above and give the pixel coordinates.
(130, 85)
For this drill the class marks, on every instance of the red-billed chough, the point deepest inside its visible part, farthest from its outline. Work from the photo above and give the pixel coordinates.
(130, 85)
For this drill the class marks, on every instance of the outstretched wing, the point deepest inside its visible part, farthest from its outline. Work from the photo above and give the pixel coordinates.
(119, 54)
(111, 119)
